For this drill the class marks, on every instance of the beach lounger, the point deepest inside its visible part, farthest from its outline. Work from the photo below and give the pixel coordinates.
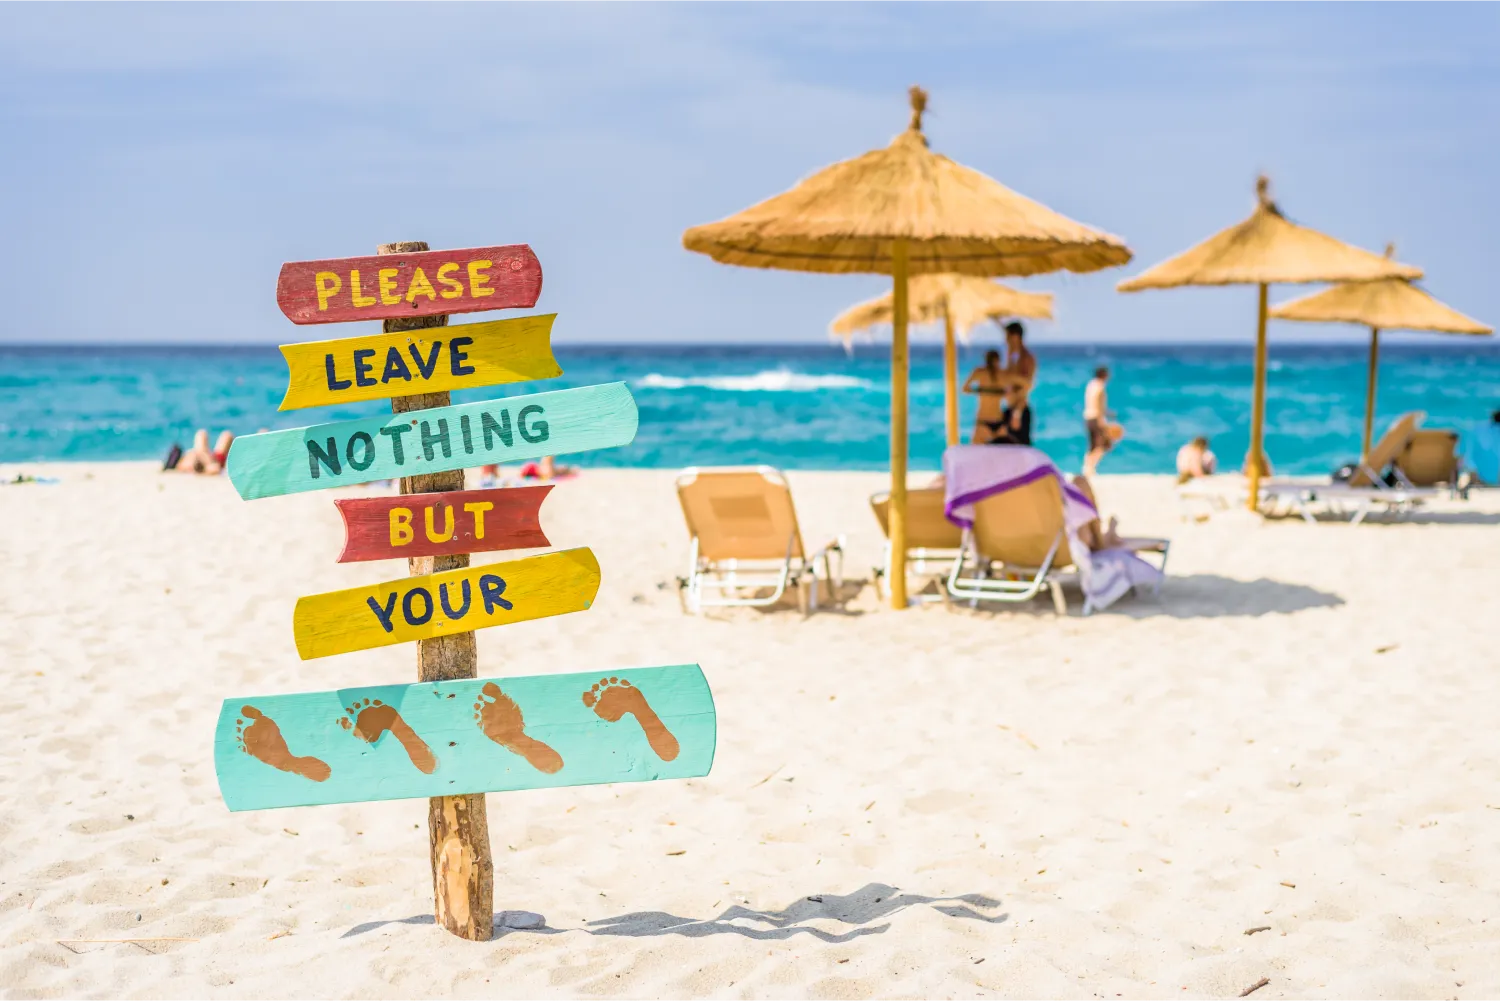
(1366, 488)
(1018, 545)
(745, 540)
(932, 541)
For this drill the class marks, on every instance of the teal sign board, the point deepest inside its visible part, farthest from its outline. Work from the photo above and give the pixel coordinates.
(450, 738)
(431, 441)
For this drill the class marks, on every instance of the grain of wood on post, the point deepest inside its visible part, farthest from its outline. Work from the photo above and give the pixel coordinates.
(463, 878)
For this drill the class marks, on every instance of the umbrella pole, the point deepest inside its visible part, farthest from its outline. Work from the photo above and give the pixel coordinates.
(1364, 448)
(1255, 459)
(950, 377)
(899, 363)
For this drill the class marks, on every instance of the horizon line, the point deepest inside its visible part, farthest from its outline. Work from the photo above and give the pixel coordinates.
(1447, 343)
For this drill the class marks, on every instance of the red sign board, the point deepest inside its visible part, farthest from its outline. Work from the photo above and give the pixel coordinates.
(442, 524)
(400, 285)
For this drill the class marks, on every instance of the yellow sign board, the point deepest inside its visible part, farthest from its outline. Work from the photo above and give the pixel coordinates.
(440, 604)
(380, 366)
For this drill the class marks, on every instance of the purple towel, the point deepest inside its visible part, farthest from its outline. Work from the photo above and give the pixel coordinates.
(973, 472)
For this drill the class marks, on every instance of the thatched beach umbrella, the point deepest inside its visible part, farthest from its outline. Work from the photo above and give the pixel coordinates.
(1266, 249)
(962, 302)
(1389, 304)
(902, 211)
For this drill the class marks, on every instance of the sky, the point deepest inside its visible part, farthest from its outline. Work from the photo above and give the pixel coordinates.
(161, 161)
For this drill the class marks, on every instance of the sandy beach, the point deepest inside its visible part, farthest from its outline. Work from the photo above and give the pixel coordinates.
(1286, 769)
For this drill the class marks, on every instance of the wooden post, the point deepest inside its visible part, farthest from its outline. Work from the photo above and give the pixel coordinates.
(1364, 448)
(463, 878)
(1256, 458)
(950, 376)
(899, 365)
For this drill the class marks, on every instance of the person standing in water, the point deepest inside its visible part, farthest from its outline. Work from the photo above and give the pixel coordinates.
(1096, 415)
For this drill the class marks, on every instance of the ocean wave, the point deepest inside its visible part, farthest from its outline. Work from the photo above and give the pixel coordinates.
(771, 381)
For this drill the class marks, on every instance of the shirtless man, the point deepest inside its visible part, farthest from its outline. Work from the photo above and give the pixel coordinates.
(1020, 365)
(1020, 375)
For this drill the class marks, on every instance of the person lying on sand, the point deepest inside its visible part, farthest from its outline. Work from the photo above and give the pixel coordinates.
(200, 458)
(547, 470)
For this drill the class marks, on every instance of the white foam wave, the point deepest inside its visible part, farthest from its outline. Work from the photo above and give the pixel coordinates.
(771, 381)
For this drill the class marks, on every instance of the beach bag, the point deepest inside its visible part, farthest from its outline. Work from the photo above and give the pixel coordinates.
(174, 456)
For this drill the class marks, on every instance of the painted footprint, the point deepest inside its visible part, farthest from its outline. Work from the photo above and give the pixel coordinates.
(369, 720)
(262, 740)
(612, 698)
(500, 719)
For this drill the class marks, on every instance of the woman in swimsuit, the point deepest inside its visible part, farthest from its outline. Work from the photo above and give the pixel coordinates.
(988, 382)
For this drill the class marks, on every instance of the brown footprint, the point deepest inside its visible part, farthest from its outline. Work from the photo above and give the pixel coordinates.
(502, 722)
(368, 720)
(612, 698)
(262, 740)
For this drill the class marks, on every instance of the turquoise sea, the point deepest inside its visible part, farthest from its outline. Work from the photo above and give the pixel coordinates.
(795, 406)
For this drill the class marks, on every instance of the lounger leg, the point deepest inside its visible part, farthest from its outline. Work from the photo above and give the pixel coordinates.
(1059, 603)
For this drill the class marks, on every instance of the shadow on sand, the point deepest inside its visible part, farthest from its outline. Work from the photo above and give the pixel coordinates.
(1195, 596)
(1210, 596)
(863, 912)
(855, 913)
(1417, 517)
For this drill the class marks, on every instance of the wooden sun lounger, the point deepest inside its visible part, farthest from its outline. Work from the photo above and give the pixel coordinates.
(1019, 545)
(932, 541)
(1366, 489)
(745, 540)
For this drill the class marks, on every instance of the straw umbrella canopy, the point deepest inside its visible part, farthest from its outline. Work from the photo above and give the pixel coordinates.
(903, 211)
(1388, 304)
(1267, 249)
(961, 302)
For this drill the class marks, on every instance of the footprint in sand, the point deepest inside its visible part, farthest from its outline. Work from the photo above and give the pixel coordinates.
(368, 720)
(612, 698)
(262, 740)
(500, 719)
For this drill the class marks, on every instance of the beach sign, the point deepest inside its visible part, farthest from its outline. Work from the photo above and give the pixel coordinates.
(451, 738)
(444, 523)
(379, 366)
(430, 441)
(403, 285)
(441, 604)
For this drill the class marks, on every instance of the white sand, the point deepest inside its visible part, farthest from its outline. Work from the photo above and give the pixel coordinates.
(1301, 735)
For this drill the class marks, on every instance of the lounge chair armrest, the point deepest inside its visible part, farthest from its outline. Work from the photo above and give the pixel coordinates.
(1145, 544)
(835, 544)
